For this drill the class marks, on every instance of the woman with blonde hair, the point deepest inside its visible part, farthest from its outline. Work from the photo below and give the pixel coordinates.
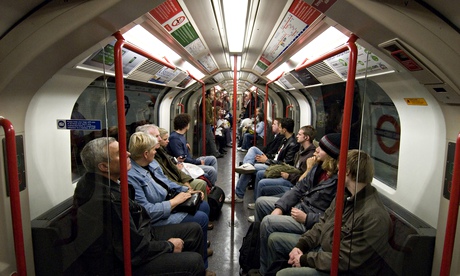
(156, 193)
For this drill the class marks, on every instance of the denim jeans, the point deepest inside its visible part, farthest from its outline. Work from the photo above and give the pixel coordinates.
(250, 156)
(244, 180)
(271, 182)
(210, 167)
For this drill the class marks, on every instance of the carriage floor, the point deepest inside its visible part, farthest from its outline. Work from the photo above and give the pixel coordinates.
(226, 237)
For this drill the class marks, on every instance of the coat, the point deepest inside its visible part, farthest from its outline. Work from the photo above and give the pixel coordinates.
(364, 236)
(313, 198)
(97, 204)
(287, 153)
(152, 196)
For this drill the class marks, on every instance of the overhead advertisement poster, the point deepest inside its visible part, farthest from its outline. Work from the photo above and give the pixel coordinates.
(375, 65)
(295, 22)
(105, 58)
(171, 16)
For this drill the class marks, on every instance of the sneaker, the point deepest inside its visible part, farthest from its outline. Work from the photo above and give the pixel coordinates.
(243, 150)
(228, 199)
(251, 218)
(251, 206)
(246, 168)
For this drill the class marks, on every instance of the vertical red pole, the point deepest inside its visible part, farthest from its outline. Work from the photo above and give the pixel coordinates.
(346, 124)
(182, 108)
(235, 95)
(255, 118)
(203, 119)
(452, 215)
(287, 110)
(120, 91)
(15, 201)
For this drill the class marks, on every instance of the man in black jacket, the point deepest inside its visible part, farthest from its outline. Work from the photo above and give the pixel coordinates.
(97, 206)
(285, 153)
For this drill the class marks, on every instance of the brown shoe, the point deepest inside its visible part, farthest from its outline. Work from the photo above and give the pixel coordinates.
(210, 252)
(210, 273)
(210, 226)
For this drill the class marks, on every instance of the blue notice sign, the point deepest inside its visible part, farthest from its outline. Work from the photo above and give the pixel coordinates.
(79, 124)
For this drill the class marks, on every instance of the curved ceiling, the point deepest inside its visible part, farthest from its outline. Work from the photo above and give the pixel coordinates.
(263, 50)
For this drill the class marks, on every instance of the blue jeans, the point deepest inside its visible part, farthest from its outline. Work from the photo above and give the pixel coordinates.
(250, 156)
(244, 180)
(202, 218)
(210, 168)
(271, 182)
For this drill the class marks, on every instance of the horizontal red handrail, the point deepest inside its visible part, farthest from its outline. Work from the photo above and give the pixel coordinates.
(15, 201)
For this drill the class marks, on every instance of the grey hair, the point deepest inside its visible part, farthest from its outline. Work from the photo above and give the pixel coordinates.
(96, 152)
(145, 128)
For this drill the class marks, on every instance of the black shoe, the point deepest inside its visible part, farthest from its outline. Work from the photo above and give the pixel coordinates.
(220, 155)
(222, 150)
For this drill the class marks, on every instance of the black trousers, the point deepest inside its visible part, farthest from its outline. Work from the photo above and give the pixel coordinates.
(188, 262)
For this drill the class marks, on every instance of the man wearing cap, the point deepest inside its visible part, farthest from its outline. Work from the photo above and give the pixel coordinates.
(301, 207)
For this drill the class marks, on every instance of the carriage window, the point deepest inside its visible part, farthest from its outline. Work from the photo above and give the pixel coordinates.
(379, 118)
(98, 102)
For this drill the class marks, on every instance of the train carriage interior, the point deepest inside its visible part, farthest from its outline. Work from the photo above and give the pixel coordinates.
(76, 70)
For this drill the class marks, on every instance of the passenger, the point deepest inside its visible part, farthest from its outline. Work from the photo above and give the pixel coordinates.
(97, 200)
(286, 153)
(169, 168)
(179, 148)
(258, 132)
(190, 169)
(365, 230)
(300, 208)
(279, 185)
(249, 108)
(211, 148)
(156, 193)
(223, 131)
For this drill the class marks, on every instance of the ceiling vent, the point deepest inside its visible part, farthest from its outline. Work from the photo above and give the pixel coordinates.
(409, 59)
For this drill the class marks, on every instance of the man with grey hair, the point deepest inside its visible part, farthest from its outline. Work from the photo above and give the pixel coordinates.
(97, 211)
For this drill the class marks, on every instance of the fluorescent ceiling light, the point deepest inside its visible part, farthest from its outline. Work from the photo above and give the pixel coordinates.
(192, 69)
(145, 40)
(238, 62)
(280, 69)
(325, 42)
(235, 23)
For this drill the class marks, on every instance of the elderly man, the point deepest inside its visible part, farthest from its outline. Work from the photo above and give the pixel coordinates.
(97, 202)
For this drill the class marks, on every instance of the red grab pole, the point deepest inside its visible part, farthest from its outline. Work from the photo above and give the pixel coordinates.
(452, 215)
(123, 155)
(345, 139)
(287, 109)
(347, 110)
(15, 201)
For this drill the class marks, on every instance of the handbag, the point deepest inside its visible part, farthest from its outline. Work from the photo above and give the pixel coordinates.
(191, 205)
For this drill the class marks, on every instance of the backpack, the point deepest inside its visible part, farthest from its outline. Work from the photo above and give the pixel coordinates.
(215, 200)
(250, 249)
